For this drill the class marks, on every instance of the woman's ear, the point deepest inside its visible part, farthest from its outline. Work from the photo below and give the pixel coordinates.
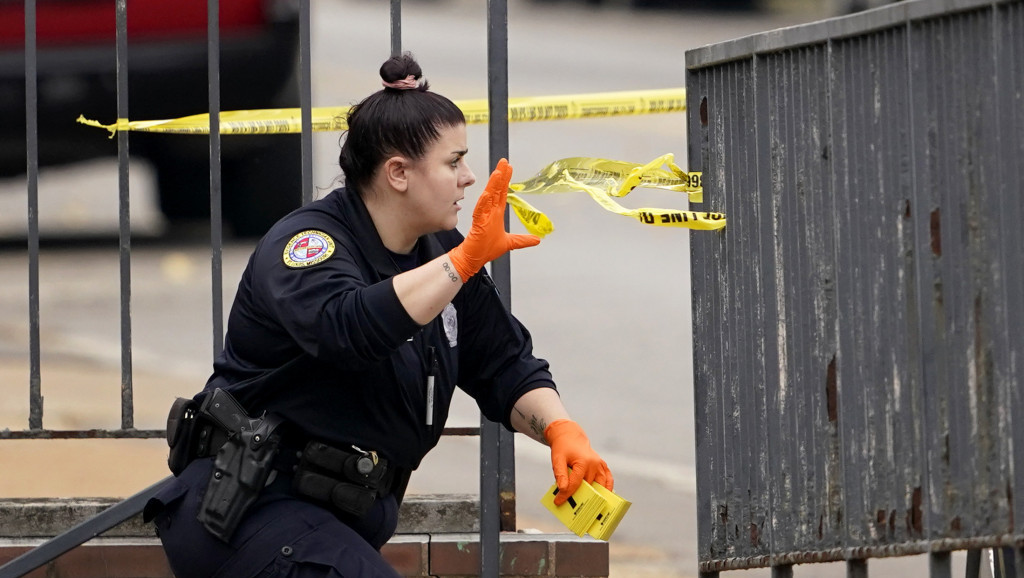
(396, 173)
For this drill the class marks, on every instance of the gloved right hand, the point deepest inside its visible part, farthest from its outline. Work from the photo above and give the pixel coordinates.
(570, 448)
(487, 239)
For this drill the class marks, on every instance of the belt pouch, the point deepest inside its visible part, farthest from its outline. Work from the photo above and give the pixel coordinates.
(343, 496)
(181, 434)
(350, 481)
(239, 474)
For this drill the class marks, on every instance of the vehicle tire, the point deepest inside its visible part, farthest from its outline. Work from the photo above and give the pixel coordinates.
(261, 180)
(261, 183)
(182, 178)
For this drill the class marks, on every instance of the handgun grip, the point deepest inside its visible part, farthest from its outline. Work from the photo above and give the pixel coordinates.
(223, 408)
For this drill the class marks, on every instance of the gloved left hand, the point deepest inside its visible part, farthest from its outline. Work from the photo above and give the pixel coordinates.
(487, 239)
(570, 447)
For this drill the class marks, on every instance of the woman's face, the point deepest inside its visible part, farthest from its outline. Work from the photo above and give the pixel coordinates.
(438, 180)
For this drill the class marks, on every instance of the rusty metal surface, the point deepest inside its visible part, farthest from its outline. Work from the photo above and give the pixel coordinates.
(963, 303)
(877, 385)
(864, 553)
(857, 376)
(31, 434)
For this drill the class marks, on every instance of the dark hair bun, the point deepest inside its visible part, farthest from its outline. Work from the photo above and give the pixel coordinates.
(404, 118)
(401, 67)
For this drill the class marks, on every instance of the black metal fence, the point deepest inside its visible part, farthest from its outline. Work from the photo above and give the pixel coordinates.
(497, 465)
(859, 379)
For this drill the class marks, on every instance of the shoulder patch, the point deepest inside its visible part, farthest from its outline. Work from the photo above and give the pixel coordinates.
(308, 248)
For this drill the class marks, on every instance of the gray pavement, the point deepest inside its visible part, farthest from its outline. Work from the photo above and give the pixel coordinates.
(607, 299)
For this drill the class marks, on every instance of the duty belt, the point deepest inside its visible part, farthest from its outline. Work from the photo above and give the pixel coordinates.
(247, 450)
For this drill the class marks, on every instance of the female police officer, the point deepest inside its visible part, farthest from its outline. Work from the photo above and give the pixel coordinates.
(354, 321)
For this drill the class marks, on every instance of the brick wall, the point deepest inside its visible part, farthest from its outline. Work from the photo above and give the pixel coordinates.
(432, 545)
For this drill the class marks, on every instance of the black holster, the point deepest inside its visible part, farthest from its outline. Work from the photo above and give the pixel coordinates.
(242, 464)
(346, 480)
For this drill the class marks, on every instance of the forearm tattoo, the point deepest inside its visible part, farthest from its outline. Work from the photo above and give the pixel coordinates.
(451, 274)
(537, 424)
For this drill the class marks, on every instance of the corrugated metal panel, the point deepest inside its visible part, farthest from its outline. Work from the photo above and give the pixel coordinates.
(741, 522)
(956, 154)
(856, 377)
(878, 383)
(801, 437)
(1010, 103)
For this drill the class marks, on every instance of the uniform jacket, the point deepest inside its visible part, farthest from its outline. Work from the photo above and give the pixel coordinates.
(317, 335)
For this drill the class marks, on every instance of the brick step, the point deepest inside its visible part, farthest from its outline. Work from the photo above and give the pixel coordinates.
(413, 555)
(438, 537)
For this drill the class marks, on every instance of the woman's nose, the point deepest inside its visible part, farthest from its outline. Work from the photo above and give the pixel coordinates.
(469, 178)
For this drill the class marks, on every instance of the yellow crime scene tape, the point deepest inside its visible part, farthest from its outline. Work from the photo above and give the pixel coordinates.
(334, 118)
(602, 179)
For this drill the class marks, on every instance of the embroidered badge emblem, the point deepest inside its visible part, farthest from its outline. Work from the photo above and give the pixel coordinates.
(308, 248)
(451, 324)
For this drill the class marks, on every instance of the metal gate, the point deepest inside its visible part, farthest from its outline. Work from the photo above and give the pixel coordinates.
(858, 374)
(497, 466)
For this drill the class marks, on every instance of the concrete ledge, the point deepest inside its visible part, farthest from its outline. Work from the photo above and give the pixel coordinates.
(436, 513)
(28, 518)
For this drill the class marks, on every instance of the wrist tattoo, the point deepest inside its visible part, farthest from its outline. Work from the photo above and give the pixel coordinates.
(451, 274)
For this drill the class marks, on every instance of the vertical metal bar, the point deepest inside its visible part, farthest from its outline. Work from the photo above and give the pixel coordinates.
(783, 571)
(216, 189)
(1006, 562)
(497, 96)
(996, 563)
(124, 218)
(856, 569)
(939, 565)
(501, 268)
(306, 101)
(396, 27)
(506, 480)
(489, 505)
(973, 569)
(497, 476)
(35, 393)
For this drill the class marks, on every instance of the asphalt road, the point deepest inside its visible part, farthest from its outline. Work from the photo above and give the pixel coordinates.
(606, 298)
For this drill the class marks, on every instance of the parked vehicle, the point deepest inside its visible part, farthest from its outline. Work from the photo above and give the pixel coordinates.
(167, 78)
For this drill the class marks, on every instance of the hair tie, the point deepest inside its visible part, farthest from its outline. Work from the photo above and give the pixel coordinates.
(404, 84)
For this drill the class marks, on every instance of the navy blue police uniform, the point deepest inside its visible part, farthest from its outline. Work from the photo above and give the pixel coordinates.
(317, 336)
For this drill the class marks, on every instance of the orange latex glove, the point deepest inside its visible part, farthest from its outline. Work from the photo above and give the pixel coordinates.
(570, 447)
(487, 239)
